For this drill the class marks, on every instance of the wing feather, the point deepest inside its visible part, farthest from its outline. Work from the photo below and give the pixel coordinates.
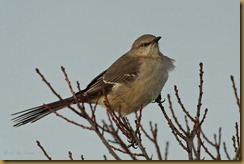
(122, 71)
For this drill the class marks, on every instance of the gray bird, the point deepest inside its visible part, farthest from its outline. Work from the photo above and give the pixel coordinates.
(132, 81)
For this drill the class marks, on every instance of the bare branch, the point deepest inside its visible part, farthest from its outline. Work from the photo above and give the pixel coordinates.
(173, 115)
(204, 116)
(235, 92)
(124, 152)
(82, 157)
(238, 154)
(69, 83)
(166, 151)
(190, 138)
(146, 134)
(234, 143)
(217, 144)
(43, 150)
(137, 140)
(66, 119)
(70, 155)
(206, 138)
(138, 122)
(237, 134)
(154, 140)
(181, 104)
(177, 132)
(187, 125)
(226, 153)
(200, 90)
(55, 93)
(207, 151)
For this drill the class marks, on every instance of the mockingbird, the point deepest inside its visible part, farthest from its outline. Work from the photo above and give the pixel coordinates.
(132, 81)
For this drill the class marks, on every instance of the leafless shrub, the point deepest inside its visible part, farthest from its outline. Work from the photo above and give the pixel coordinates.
(127, 139)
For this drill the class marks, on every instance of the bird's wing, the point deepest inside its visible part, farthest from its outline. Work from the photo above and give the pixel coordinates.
(96, 85)
(123, 70)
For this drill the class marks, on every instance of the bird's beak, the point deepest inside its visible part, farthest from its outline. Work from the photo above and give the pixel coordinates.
(157, 39)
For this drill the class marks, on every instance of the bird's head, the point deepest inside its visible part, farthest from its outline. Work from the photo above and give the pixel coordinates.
(146, 45)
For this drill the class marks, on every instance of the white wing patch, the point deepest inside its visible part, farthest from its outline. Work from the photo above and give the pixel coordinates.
(129, 75)
(122, 79)
(108, 82)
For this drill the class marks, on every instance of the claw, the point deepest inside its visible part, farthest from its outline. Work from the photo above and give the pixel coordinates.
(159, 99)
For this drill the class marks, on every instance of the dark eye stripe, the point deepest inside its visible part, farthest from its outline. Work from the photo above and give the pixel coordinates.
(144, 44)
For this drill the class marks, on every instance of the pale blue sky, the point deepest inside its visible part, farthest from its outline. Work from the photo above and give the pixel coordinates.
(86, 36)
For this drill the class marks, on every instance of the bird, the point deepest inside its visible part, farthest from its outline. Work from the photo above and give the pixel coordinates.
(133, 81)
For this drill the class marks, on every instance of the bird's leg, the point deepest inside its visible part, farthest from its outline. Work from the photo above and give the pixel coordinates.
(159, 99)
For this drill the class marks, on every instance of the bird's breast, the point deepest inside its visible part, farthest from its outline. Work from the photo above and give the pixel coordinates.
(144, 89)
(152, 78)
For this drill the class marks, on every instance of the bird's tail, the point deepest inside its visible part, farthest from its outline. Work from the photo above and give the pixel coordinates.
(33, 114)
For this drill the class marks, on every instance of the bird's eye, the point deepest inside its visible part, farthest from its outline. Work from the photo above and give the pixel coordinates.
(144, 44)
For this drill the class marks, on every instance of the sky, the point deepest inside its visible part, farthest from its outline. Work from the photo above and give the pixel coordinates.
(86, 37)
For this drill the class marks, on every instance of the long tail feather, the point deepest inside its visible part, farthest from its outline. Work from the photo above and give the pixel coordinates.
(33, 114)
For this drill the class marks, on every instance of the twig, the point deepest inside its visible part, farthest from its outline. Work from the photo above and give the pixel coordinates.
(235, 92)
(198, 132)
(180, 142)
(69, 83)
(225, 149)
(83, 114)
(187, 125)
(70, 155)
(81, 105)
(177, 132)
(126, 129)
(238, 153)
(181, 104)
(54, 92)
(217, 144)
(206, 150)
(138, 122)
(141, 147)
(101, 136)
(117, 120)
(200, 90)
(197, 152)
(173, 115)
(237, 135)
(190, 146)
(66, 119)
(206, 138)
(43, 150)
(145, 132)
(204, 116)
(234, 143)
(120, 142)
(154, 133)
(95, 125)
(124, 152)
(166, 151)
(82, 157)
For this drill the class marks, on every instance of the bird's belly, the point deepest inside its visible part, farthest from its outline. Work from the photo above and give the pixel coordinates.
(145, 89)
